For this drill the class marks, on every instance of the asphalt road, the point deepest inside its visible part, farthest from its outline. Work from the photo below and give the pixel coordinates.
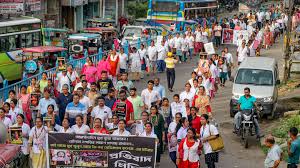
(234, 155)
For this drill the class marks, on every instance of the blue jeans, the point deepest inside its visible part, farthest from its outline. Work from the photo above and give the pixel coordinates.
(191, 51)
(173, 156)
(160, 65)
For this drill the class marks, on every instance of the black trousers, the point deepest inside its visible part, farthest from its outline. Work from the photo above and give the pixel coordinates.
(218, 41)
(171, 77)
(291, 166)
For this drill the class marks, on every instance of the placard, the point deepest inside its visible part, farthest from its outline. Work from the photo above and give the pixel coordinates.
(61, 64)
(79, 150)
(227, 36)
(15, 134)
(34, 100)
(237, 33)
(121, 110)
(209, 48)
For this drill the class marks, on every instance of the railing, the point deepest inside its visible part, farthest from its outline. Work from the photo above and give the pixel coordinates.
(76, 63)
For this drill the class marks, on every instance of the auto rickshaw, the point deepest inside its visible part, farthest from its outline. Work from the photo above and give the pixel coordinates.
(108, 34)
(38, 59)
(54, 37)
(79, 43)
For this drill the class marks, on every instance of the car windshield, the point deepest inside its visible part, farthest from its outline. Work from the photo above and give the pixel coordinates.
(130, 32)
(254, 77)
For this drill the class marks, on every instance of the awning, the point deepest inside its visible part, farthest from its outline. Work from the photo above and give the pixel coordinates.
(84, 36)
(44, 49)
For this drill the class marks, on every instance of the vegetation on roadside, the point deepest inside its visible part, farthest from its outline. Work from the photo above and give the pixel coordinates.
(289, 86)
(280, 132)
(137, 9)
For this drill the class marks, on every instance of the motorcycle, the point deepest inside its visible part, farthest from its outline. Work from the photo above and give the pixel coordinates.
(247, 124)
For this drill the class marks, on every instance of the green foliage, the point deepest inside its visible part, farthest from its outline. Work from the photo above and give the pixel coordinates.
(137, 9)
(285, 124)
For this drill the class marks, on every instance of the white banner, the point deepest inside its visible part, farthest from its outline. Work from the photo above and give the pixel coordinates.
(13, 6)
(209, 48)
(238, 33)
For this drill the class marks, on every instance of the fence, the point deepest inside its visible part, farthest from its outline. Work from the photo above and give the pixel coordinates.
(76, 63)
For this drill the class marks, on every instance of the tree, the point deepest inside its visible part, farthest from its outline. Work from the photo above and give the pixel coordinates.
(137, 9)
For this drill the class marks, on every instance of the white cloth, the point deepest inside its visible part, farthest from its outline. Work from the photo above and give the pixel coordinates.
(181, 133)
(162, 52)
(62, 80)
(191, 153)
(242, 53)
(178, 43)
(152, 135)
(123, 58)
(187, 95)
(191, 41)
(104, 113)
(7, 122)
(152, 53)
(61, 129)
(84, 129)
(273, 155)
(86, 102)
(149, 97)
(178, 108)
(135, 62)
(198, 36)
(38, 136)
(78, 85)
(206, 131)
(118, 133)
(172, 127)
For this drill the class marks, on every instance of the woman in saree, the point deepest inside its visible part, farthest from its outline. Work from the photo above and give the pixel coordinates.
(201, 101)
(113, 60)
(90, 71)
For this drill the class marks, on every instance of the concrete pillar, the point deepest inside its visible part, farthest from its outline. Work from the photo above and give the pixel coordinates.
(123, 6)
(100, 8)
(103, 9)
(117, 10)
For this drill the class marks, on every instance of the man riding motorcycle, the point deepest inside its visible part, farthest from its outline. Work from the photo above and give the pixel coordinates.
(246, 102)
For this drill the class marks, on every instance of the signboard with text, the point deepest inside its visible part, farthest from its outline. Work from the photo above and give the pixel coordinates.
(79, 150)
(12, 6)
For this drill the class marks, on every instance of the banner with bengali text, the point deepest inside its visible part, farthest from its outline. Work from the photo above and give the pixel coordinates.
(11, 6)
(78, 150)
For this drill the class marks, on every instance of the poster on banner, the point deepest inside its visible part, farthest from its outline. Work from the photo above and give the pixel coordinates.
(238, 33)
(209, 48)
(227, 36)
(12, 6)
(15, 134)
(79, 150)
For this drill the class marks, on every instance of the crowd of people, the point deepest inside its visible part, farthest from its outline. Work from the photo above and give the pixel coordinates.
(101, 99)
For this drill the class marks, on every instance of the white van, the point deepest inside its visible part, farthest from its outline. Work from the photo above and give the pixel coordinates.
(260, 74)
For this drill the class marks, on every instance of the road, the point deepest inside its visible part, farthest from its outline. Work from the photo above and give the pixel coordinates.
(234, 155)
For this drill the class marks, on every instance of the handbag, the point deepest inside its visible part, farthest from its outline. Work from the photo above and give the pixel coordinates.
(216, 144)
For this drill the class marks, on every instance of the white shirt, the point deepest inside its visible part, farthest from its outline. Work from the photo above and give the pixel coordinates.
(204, 37)
(149, 97)
(7, 122)
(178, 108)
(142, 53)
(61, 129)
(84, 129)
(152, 135)
(123, 60)
(62, 79)
(187, 95)
(104, 113)
(198, 36)
(72, 76)
(190, 40)
(111, 126)
(229, 58)
(182, 133)
(273, 155)
(86, 102)
(171, 42)
(38, 136)
(185, 44)
(242, 53)
(25, 131)
(117, 132)
(178, 43)
(172, 127)
(162, 52)
(214, 71)
(78, 85)
(152, 51)
(206, 131)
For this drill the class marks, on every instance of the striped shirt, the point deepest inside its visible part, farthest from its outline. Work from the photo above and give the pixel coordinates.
(73, 110)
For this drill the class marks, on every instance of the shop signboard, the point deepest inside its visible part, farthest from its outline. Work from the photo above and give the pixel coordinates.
(12, 6)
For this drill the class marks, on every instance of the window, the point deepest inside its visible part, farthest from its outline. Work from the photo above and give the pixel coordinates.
(254, 77)
(165, 7)
(12, 29)
(2, 30)
(12, 43)
(36, 39)
(29, 41)
(3, 44)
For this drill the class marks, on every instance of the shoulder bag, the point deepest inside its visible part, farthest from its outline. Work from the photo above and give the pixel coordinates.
(216, 144)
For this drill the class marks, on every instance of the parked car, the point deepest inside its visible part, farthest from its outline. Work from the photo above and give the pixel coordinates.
(260, 74)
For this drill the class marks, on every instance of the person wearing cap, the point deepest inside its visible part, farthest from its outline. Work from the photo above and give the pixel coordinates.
(170, 65)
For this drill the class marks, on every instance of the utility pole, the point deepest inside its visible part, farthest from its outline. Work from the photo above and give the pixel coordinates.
(287, 50)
